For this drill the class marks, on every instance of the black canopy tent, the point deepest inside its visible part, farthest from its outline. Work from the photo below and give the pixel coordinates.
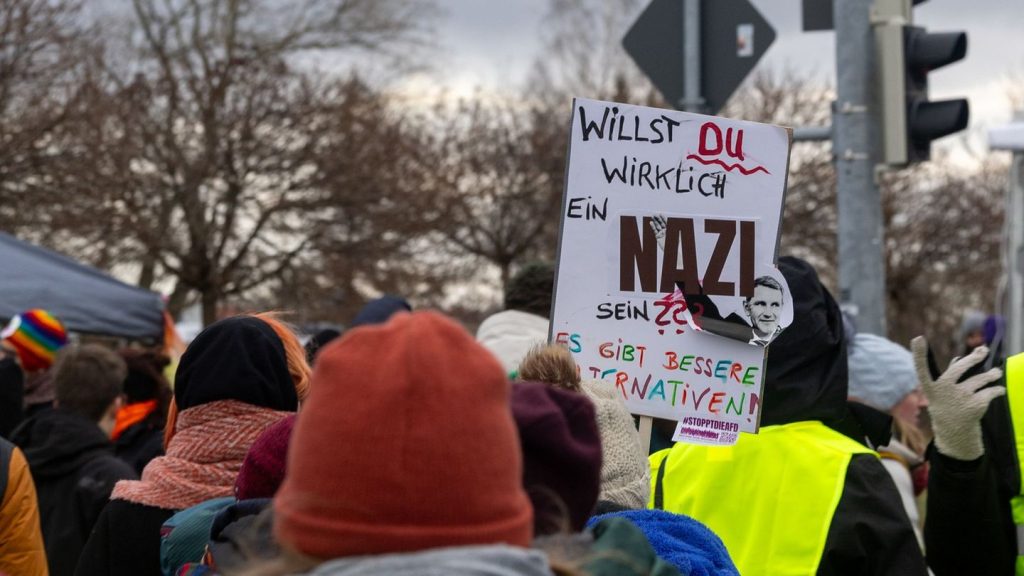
(83, 298)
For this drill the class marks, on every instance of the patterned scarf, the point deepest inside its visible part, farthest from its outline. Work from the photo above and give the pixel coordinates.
(203, 458)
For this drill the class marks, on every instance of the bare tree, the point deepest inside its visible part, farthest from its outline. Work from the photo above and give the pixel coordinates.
(581, 54)
(374, 166)
(41, 42)
(944, 238)
(205, 155)
(496, 197)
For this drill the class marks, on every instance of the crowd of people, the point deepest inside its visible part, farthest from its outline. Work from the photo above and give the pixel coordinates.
(407, 445)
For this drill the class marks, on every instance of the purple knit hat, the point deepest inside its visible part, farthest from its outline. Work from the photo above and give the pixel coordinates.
(561, 455)
(263, 469)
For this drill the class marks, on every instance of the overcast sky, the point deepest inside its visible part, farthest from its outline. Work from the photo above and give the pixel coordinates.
(491, 45)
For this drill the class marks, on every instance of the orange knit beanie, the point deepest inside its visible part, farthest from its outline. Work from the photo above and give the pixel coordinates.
(406, 443)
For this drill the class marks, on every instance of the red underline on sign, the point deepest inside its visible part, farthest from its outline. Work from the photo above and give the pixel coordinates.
(729, 167)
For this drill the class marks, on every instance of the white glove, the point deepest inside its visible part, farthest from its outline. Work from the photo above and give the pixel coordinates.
(955, 407)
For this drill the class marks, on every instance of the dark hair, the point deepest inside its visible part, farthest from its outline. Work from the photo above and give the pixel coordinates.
(531, 288)
(318, 341)
(88, 378)
(767, 282)
(145, 379)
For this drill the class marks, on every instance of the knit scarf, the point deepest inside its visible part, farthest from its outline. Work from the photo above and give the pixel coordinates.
(203, 458)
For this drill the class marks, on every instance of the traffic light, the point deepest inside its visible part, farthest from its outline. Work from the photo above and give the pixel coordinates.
(907, 54)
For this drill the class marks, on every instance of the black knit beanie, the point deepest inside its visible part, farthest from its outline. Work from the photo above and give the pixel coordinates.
(531, 288)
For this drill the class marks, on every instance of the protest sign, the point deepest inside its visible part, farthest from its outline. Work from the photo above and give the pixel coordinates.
(666, 286)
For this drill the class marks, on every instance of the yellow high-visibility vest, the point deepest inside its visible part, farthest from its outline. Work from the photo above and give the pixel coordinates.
(1015, 397)
(770, 497)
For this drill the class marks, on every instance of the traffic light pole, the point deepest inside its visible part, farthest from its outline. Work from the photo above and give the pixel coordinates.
(1015, 254)
(693, 100)
(1011, 303)
(856, 142)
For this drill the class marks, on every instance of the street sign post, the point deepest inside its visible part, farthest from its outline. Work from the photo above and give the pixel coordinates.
(733, 37)
(1011, 138)
(817, 15)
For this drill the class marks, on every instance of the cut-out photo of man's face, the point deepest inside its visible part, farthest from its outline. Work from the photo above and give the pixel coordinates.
(764, 308)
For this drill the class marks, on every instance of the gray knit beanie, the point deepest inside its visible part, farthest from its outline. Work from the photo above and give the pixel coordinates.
(881, 371)
(625, 471)
(973, 321)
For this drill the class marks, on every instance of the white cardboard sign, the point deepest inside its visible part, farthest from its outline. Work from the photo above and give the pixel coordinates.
(670, 226)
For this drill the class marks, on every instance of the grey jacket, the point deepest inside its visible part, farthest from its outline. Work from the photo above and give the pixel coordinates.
(493, 560)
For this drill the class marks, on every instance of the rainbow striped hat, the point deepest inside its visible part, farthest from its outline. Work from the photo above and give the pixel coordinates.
(37, 336)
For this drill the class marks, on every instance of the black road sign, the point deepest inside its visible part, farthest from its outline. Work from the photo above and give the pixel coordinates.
(734, 36)
(817, 15)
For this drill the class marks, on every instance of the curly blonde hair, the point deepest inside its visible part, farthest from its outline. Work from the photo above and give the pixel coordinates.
(552, 364)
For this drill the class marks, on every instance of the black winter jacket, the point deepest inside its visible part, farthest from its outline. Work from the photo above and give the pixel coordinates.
(969, 527)
(74, 469)
(125, 541)
(141, 442)
(12, 395)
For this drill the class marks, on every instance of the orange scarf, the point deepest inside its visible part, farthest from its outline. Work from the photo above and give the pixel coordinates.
(131, 415)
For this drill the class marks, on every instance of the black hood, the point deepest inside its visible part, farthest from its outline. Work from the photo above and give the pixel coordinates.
(57, 442)
(806, 375)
